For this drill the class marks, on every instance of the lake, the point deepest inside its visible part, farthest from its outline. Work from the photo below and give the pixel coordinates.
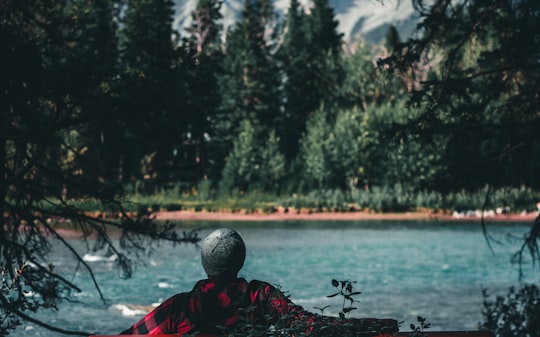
(403, 268)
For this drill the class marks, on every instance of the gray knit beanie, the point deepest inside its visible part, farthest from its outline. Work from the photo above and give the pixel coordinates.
(223, 253)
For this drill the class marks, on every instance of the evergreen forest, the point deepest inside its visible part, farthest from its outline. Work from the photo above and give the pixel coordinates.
(101, 100)
(276, 106)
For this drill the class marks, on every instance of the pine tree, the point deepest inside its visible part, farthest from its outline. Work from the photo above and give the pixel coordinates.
(480, 94)
(272, 164)
(298, 102)
(147, 36)
(310, 61)
(344, 152)
(202, 59)
(100, 52)
(240, 171)
(361, 86)
(253, 163)
(249, 83)
(205, 30)
(43, 103)
(325, 50)
(483, 102)
(392, 39)
(322, 29)
(313, 151)
(153, 92)
(97, 64)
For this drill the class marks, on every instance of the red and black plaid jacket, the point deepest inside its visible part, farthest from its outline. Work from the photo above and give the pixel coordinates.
(214, 306)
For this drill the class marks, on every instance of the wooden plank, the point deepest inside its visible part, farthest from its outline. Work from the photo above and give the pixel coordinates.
(404, 334)
(450, 334)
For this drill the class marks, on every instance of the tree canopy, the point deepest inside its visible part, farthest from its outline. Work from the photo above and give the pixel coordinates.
(103, 99)
(58, 78)
(476, 72)
(475, 68)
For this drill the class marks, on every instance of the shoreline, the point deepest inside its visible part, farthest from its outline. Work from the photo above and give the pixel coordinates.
(281, 215)
(335, 216)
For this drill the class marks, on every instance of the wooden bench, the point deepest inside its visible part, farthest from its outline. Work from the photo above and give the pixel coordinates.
(404, 334)
(451, 334)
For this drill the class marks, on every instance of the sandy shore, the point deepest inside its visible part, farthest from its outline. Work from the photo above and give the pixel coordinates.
(313, 216)
(333, 216)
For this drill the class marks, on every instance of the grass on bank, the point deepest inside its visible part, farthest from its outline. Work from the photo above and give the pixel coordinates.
(376, 199)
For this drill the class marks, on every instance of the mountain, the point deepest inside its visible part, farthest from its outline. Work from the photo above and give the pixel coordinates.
(366, 20)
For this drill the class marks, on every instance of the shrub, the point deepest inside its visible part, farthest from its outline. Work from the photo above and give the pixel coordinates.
(516, 315)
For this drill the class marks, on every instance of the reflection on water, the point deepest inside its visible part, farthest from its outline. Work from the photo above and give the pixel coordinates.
(404, 269)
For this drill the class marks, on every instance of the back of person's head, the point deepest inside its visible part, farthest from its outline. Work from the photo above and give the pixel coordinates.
(223, 253)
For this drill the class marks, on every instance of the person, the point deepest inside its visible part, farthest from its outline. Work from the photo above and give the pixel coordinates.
(224, 303)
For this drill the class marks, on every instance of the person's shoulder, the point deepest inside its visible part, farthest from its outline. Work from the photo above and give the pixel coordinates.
(258, 284)
(265, 291)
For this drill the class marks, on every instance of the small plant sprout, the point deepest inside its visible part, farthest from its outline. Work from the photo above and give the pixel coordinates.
(418, 330)
(322, 309)
(345, 289)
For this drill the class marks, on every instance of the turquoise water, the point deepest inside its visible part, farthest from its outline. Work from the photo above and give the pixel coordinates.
(404, 269)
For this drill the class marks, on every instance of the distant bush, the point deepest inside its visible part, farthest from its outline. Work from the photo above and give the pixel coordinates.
(385, 199)
(318, 200)
(516, 315)
(396, 198)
